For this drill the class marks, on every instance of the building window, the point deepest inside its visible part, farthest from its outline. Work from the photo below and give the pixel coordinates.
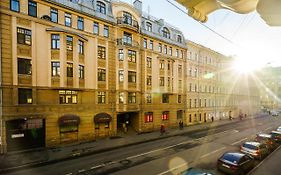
(68, 97)
(171, 51)
(15, 5)
(195, 103)
(132, 77)
(131, 97)
(121, 97)
(165, 32)
(69, 70)
(131, 56)
(149, 80)
(145, 43)
(148, 62)
(169, 81)
(121, 55)
(24, 66)
(148, 117)
(96, 28)
(177, 52)
(162, 64)
(121, 75)
(179, 39)
(106, 31)
(165, 115)
(25, 96)
(67, 19)
(190, 103)
(160, 47)
(151, 45)
(54, 15)
(101, 7)
(179, 99)
(180, 70)
(180, 84)
(101, 52)
(81, 72)
(80, 47)
(32, 8)
(182, 54)
(23, 36)
(80, 23)
(69, 43)
(55, 41)
(148, 98)
(165, 98)
(101, 97)
(148, 26)
(55, 69)
(127, 18)
(101, 75)
(127, 38)
(161, 81)
(165, 49)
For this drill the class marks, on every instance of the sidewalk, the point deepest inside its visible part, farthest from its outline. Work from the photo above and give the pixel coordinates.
(16, 160)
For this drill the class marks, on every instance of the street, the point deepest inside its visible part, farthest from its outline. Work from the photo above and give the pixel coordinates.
(165, 156)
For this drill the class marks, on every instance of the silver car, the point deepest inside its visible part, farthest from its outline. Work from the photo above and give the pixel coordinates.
(255, 149)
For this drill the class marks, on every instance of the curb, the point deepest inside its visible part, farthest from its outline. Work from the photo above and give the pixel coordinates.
(83, 154)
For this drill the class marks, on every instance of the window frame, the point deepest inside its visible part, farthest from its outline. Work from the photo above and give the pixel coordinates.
(81, 47)
(165, 115)
(67, 16)
(81, 71)
(55, 68)
(24, 36)
(148, 117)
(54, 15)
(12, 7)
(96, 28)
(121, 75)
(101, 74)
(132, 56)
(132, 77)
(68, 97)
(101, 7)
(106, 31)
(101, 97)
(25, 96)
(69, 70)
(132, 97)
(166, 33)
(121, 55)
(80, 23)
(101, 52)
(148, 26)
(55, 41)
(32, 5)
(69, 43)
(24, 66)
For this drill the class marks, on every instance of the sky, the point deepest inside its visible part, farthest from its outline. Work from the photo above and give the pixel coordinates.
(253, 42)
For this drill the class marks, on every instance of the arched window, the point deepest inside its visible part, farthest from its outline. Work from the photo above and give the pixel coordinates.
(165, 32)
(148, 26)
(101, 7)
(179, 39)
(127, 18)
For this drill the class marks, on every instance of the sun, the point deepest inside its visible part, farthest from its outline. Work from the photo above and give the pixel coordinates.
(246, 65)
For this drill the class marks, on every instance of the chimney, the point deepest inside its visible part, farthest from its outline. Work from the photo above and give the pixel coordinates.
(138, 6)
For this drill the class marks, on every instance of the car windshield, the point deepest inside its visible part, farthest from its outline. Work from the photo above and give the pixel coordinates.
(231, 158)
(250, 146)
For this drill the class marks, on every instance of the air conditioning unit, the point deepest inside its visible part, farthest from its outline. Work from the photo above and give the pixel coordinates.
(46, 17)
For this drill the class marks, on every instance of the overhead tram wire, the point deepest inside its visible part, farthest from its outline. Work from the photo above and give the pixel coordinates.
(212, 30)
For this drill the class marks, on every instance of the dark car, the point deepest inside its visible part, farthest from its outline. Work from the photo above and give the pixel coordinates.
(276, 135)
(235, 163)
(196, 171)
(267, 139)
(255, 149)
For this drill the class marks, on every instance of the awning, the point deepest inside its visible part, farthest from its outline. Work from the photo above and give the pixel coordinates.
(102, 118)
(68, 120)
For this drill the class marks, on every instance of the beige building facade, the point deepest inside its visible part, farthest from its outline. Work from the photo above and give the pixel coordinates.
(76, 71)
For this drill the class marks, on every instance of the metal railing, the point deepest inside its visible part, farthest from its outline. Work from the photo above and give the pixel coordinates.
(125, 42)
(127, 21)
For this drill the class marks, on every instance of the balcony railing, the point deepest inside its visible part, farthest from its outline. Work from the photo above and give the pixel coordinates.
(128, 22)
(125, 42)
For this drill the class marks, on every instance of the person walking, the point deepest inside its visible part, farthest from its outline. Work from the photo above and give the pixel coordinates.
(212, 118)
(162, 129)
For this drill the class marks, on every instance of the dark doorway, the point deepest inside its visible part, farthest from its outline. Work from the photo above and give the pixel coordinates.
(127, 121)
(22, 134)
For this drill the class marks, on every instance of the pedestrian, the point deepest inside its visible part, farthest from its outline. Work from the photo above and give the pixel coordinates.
(180, 125)
(212, 118)
(162, 129)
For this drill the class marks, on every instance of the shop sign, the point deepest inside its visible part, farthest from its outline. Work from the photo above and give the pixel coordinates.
(17, 135)
(102, 118)
(69, 119)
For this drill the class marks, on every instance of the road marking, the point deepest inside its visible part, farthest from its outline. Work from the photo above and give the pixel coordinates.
(81, 171)
(205, 155)
(68, 174)
(239, 141)
(177, 167)
(267, 157)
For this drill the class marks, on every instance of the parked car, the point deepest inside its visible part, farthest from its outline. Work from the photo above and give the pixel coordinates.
(255, 149)
(235, 163)
(267, 139)
(196, 171)
(276, 136)
(274, 113)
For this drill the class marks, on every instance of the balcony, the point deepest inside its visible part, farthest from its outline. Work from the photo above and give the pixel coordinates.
(129, 23)
(126, 42)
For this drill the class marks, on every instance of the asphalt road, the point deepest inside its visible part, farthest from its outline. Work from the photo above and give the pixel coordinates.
(166, 156)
